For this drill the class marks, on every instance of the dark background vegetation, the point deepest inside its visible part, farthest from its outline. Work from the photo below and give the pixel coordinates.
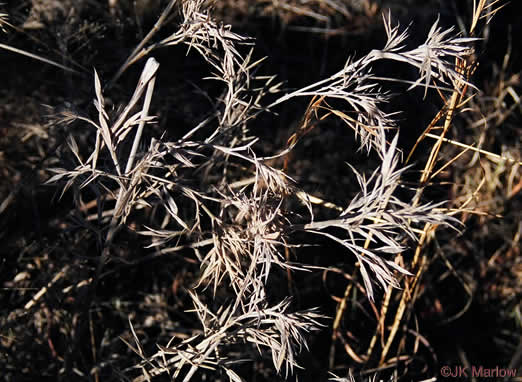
(468, 311)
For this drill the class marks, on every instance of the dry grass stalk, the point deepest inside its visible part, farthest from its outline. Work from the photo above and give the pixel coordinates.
(230, 205)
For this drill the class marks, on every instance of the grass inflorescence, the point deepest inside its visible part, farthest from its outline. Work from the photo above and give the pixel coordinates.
(180, 204)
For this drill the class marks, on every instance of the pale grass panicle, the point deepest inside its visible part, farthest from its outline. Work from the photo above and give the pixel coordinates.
(219, 198)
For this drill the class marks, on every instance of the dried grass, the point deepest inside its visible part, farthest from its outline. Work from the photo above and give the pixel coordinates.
(234, 216)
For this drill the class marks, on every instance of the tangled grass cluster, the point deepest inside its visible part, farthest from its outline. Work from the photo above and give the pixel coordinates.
(233, 209)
